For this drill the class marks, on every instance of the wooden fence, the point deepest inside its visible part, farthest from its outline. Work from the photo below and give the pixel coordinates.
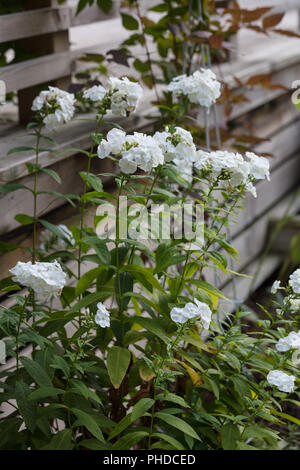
(269, 113)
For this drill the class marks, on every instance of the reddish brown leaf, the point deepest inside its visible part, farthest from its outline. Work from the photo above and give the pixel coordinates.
(216, 41)
(257, 79)
(272, 20)
(146, 22)
(257, 28)
(286, 32)
(238, 81)
(254, 15)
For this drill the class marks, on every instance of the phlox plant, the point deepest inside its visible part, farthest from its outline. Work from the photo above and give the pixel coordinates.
(126, 345)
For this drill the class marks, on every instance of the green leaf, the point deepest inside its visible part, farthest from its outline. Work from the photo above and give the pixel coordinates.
(259, 432)
(229, 249)
(19, 149)
(82, 4)
(153, 326)
(208, 288)
(160, 8)
(94, 444)
(92, 180)
(55, 230)
(230, 434)
(100, 248)
(126, 285)
(61, 441)
(7, 247)
(80, 388)
(167, 255)
(88, 421)
(24, 219)
(141, 66)
(26, 408)
(118, 360)
(7, 284)
(105, 5)
(129, 22)
(218, 259)
(36, 372)
(89, 299)
(173, 398)
(146, 273)
(45, 392)
(86, 280)
(10, 187)
(177, 423)
(138, 411)
(129, 440)
(174, 443)
(60, 363)
(287, 416)
(141, 407)
(52, 174)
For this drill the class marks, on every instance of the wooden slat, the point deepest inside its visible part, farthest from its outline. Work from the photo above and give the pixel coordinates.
(76, 134)
(49, 20)
(252, 242)
(243, 284)
(278, 5)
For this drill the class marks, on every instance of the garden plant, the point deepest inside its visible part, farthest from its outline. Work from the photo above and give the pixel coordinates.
(117, 335)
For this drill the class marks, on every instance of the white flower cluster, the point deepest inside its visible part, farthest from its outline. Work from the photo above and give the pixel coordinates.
(284, 382)
(224, 165)
(125, 95)
(192, 310)
(121, 97)
(102, 317)
(49, 240)
(202, 87)
(291, 341)
(55, 107)
(178, 147)
(294, 281)
(275, 287)
(136, 151)
(96, 94)
(44, 278)
(292, 301)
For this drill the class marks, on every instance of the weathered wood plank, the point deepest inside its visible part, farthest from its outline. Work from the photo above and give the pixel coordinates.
(282, 241)
(49, 20)
(35, 71)
(243, 284)
(252, 241)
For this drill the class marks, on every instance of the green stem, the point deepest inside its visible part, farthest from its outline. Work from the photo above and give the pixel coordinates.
(36, 171)
(83, 203)
(149, 61)
(156, 176)
(159, 367)
(117, 242)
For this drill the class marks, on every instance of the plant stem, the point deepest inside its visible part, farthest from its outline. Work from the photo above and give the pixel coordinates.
(83, 203)
(138, 11)
(36, 171)
(119, 296)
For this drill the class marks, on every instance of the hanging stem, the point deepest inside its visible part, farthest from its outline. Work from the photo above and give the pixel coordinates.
(149, 61)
